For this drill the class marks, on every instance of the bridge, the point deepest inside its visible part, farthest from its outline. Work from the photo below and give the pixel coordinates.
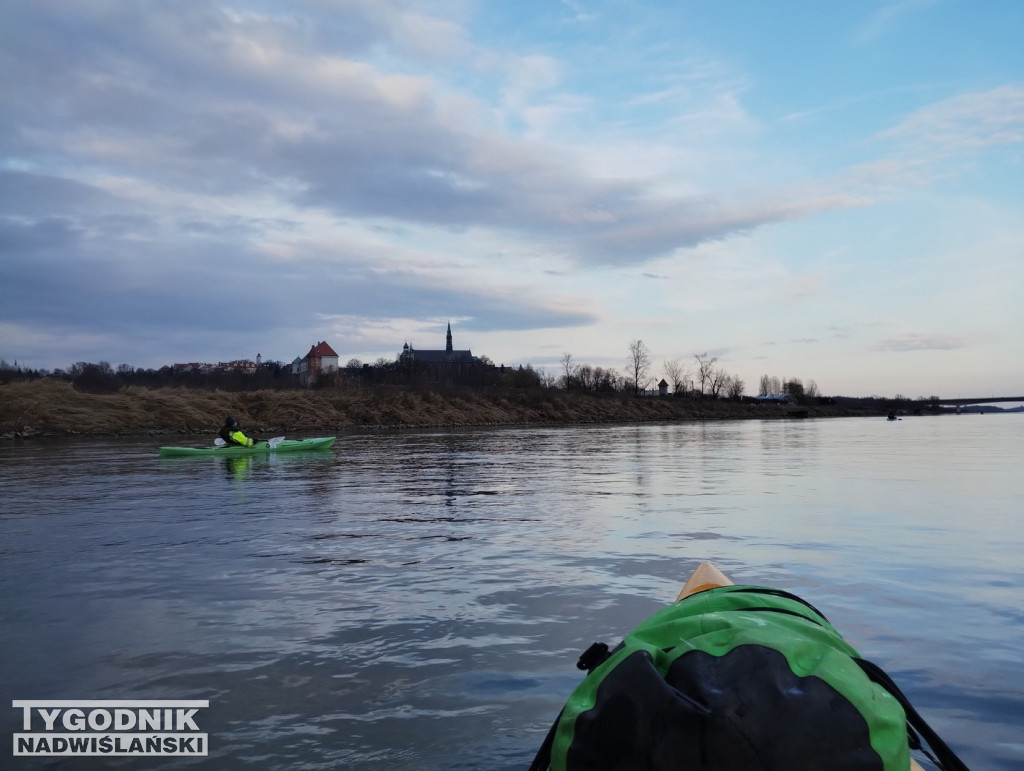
(985, 400)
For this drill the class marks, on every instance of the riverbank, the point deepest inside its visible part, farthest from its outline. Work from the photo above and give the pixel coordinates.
(55, 408)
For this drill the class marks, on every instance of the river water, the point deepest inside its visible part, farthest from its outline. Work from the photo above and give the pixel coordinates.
(419, 599)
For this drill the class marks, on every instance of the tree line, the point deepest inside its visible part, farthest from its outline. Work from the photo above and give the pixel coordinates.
(698, 378)
(701, 379)
(102, 377)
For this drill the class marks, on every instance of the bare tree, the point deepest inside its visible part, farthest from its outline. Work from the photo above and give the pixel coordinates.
(676, 375)
(718, 378)
(705, 369)
(770, 386)
(734, 388)
(607, 380)
(585, 377)
(812, 390)
(795, 388)
(639, 364)
(569, 367)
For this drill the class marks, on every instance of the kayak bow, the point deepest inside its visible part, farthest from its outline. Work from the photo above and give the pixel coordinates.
(706, 576)
(736, 676)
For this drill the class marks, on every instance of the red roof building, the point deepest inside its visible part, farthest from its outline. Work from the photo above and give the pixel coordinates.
(321, 359)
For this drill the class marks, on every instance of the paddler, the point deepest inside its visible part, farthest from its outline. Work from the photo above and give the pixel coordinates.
(232, 434)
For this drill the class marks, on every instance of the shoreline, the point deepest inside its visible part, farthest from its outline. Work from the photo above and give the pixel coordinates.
(48, 408)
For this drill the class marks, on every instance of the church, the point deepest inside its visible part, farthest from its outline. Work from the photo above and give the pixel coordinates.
(447, 367)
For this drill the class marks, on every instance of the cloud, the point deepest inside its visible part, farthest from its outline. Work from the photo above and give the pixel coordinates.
(888, 17)
(921, 146)
(578, 10)
(921, 342)
(979, 119)
(187, 178)
(277, 108)
(797, 288)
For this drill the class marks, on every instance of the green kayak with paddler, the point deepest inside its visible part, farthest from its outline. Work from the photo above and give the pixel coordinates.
(233, 442)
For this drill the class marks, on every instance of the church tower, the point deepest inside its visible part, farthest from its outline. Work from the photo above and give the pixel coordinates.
(448, 339)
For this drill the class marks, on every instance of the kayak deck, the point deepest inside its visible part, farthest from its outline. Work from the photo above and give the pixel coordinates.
(706, 576)
(260, 448)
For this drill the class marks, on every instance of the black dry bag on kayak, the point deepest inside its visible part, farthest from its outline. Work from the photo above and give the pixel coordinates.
(736, 677)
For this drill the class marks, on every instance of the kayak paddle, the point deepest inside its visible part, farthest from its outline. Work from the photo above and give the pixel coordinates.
(272, 443)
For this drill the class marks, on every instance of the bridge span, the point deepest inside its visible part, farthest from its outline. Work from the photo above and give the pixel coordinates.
(984, 400)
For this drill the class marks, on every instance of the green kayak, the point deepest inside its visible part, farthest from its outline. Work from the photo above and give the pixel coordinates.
(736, 677)
(260, 448)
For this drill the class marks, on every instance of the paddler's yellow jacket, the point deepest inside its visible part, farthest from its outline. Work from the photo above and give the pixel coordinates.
(231, 434)
(237, 437)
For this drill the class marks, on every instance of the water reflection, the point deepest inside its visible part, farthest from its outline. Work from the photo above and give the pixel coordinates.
(239, 469)
(408, 599)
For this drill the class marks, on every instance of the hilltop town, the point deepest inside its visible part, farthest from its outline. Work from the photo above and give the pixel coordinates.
(320, 367)
(321, 363)
(419, 387)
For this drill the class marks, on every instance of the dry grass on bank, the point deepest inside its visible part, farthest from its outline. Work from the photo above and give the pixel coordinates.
(53, 407)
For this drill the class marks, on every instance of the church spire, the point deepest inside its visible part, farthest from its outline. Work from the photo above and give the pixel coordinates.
(448, 339)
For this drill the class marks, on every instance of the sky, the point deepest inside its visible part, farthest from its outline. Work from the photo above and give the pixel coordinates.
(825, 191)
